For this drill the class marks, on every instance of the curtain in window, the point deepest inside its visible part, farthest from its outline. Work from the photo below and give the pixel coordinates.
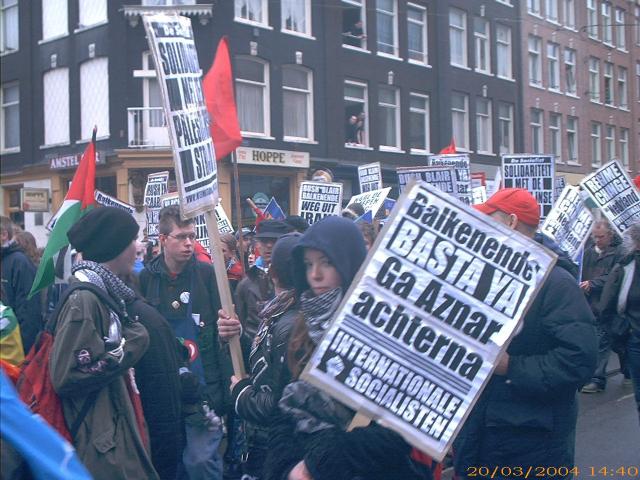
(295, 114)
(250, 107)
(54, 18)
(385, 33)
(10, 28)
(94, 97)
(294, 15)
(56, 106)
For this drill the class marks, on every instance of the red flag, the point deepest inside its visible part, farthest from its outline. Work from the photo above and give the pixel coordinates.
(451, 148)
(217, 87)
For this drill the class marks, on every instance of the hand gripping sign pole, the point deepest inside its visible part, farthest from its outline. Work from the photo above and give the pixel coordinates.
(171, 41)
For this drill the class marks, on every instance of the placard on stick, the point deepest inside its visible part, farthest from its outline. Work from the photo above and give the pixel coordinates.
(319, 200)
(109, 201)
(535, 173)
(418, 334)
(460, 163)
(442, 178)
(371, 200)
(157, 186)
(370, 177)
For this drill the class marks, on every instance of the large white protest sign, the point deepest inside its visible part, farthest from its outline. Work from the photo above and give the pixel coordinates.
(615, 194)
(109, 201)
(319, 200)
(441, 294)
(372, 200)
(442, 178)
(569, 222)
(370, 177)
(460, 163)
(535, 173)
(157, 186)
(179, 77)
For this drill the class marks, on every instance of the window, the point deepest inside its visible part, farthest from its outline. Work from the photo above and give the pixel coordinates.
(54, 19)
(610, 142)
(596, 145)
(356, 113)
(570, 71)
(621, 36)
(638, 80)
(94, 97)
(637, 26)
(10, 120)
(554, 134)
(570, 13)
(419, 128)
(483, 45)
(623, 97)
(458, 37)
(55, 85)
(9, 40)
(92, 12)
(297, 100)
(417, 34)
(553, 63)
(607, 25)
(505, 128)
(608, 83)
(533, 7)
(624, 147)
(168, 2)
(253, 11)
(460, 119)
(389, 116)
(552, 11)
(503, 51)
(594, 79)
(572, 139)
(387, 24)
(296, 16)
(535, 62)
(353, 24)
(252, 95)
(537, 135)
(484, 132)
(592, 19)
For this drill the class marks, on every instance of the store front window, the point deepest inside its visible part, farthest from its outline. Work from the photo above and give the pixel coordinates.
(258, 188)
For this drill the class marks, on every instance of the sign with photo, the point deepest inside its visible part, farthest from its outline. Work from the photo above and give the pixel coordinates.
(319, 200)
(535, 173)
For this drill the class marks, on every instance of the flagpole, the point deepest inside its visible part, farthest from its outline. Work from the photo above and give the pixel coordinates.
(236, 181)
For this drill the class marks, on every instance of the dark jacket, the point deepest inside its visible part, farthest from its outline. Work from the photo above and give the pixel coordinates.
(161, 290)
(595, 268)
(255, 288)
(528, 417)
(609, 298)
(18, 273)
(159, 385)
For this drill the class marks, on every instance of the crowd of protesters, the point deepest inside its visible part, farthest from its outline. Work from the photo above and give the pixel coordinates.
(140, 356)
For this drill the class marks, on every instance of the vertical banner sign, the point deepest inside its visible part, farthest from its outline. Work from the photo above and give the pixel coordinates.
(319, 200)
(615, 194)
(561, 182)
(372, 200)
(179, 76)
(157, 186)
(419, 332)
(461, 165)
(535, 173)
(569, 222)
(442, 178)
(370, 177)
(109, 201)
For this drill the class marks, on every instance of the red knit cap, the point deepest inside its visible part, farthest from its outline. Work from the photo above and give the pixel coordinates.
(513, 200)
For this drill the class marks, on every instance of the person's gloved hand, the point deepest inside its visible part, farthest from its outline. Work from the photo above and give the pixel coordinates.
(191, 388)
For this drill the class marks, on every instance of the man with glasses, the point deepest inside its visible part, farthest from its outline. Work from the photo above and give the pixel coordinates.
(185, 292)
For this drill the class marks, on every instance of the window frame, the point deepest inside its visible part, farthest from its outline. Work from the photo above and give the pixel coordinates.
(596, 141)
(553, 66)
(509, 48)
(56, 33)
(308, 33)
(607, 78)
(570, 14)
(502, 120)
(464, 143)
(462, 31)
(266, 99)
(361, 4)
(365, 108)
(572, 139)
(3, 121)
(623, 141)
(424, 28)
(535, 56)
(394, 22)
(88, 125)
(309, 104)
(264, 23)
(555, 135)
(100, 21)
(59, 114)
(3, 16)
(482, 44)
(550, 6)
(592, 20)
(427, 122)
(607, 28)
(570, 56)
(610, 142)
(396, 117)
(621, 30)
(622, 87)
(537, 131)
(595, 94)
(486, 118)
(534, 7)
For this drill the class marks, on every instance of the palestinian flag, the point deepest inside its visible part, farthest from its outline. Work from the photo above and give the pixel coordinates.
(79, 200)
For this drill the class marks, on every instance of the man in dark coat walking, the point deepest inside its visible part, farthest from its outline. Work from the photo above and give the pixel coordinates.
(526, 416)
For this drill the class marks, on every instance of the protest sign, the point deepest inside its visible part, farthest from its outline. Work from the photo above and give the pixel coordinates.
(442, 178)
(372, 200)
(157, 186)
(569, 222)
(179, 77)
(535, 173)
(615, 194)
(319, 200)
(109, 201)
(370, 177)
(561, 182)
(479, 194)
(416, 337)
(460, 163)
(478, 179)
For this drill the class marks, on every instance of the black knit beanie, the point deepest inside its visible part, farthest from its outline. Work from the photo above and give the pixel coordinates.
(103, 233)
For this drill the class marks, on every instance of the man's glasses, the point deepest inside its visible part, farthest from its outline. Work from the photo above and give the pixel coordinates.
(181, 237)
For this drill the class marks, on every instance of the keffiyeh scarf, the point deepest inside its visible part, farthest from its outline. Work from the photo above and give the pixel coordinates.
(318, 311)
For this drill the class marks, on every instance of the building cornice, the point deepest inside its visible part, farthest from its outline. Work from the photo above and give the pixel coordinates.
(202, 11)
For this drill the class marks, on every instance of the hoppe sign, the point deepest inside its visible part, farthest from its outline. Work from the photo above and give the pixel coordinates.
(276, 158)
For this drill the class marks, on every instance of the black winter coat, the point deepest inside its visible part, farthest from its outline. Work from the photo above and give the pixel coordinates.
(18, 273)
(256, 287)
(609, 298)
(596, 268)
(160, 289)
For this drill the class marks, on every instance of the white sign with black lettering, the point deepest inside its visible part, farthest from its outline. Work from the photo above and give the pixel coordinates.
(108, 201)
(370, 177)
(569, 222)
(157, 186)
(372, 200)
(479, 194)
(535, 173)
(460, 163)
(442, 178)
(615, 194)
(441, 294)
(179, 76)
(319, 200)
(561, 182)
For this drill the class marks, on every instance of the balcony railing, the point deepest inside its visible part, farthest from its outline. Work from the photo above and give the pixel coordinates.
(147, 127)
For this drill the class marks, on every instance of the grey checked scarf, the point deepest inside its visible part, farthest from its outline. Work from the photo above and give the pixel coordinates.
(105, 279)
(318, 311)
